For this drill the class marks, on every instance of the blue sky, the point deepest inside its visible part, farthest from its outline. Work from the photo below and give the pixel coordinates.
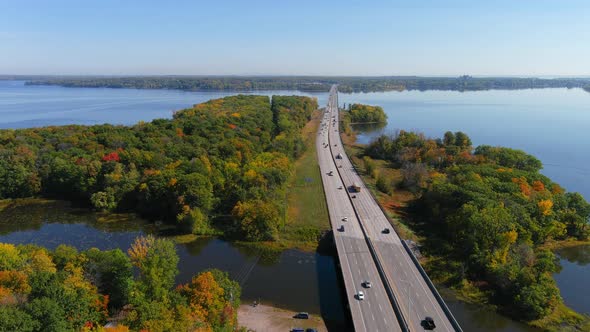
(322, 37)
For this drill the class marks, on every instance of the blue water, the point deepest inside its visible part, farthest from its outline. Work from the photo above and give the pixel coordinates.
(551, 124)
(23, 106)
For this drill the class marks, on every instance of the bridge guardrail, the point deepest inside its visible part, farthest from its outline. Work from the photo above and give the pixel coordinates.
(395, 304)
(432, 288)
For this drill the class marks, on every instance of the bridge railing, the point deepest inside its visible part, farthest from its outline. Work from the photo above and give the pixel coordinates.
(388, 289)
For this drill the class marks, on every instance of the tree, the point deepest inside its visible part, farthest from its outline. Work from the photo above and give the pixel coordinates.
(462, 140)
(382, 184)
(49, 313)
(195, 222)
(157, 262)
(111, 272)
(104, 200)
(258, 220)
(15, 319)
(539, 299)
(10, 258)
(449, 138)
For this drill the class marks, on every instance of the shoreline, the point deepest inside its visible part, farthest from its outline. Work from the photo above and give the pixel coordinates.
(266, 318)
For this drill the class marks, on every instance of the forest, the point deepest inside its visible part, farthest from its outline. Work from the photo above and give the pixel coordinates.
(487, 212)
(68, 290)
(311, 83)
(359, 113)
(218, 167)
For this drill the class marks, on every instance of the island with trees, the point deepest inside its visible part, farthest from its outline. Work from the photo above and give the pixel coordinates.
(359, 113)
(220, 167)
(485, 218)
(310, 83)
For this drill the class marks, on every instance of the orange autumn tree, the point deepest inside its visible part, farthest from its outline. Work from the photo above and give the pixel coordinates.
(213, 298)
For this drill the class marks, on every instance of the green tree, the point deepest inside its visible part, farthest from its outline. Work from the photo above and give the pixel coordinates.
(157, 262)
(111, 271)
(14, 319)
(50, 314)
(257, 220)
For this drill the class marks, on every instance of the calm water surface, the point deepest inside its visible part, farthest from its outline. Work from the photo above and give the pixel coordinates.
(293, 279)
(24, 106)
(552, 124)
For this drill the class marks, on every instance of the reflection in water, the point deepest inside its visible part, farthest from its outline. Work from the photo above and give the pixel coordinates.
(290, 279)
(573, 277)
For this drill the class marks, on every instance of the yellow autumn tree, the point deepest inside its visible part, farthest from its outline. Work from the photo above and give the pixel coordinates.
(545, 206)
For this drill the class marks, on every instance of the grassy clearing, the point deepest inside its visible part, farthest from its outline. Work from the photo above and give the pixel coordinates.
(307, 214)
(556, 245)
(395, 203)
(563, 319)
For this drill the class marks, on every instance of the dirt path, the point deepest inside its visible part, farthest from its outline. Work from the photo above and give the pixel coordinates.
(264, 318)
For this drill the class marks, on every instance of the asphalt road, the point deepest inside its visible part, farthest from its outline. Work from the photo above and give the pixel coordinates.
(375, 312)
(416, 300)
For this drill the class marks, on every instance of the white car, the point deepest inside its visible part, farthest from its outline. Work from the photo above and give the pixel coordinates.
(345, 219)
(367, 284)
(360, 295)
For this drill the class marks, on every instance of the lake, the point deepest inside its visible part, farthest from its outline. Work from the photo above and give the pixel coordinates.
(552, 124)
(23, 106)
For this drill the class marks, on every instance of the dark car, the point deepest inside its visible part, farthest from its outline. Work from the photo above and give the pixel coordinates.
(311, 330)
(302, 315)
(386, 231)
(428, 323)
(297, 329)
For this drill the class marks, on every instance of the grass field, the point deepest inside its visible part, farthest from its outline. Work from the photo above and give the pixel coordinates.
(307, 214)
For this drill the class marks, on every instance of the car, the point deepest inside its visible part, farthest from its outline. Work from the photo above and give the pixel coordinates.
(386, 231)
(297, 329)
(353, 196)
(367, 284)
(340, 187)
(345, 219)
(428, 323)
(342, 228)
(360, 295)
(301, 315)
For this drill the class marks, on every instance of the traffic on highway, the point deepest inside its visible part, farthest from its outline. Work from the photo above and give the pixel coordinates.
(362, 226)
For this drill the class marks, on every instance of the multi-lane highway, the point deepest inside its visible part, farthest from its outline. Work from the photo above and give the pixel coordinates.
(416, 300)
(374, 312)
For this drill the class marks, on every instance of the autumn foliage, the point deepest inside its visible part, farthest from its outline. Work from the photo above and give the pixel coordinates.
(493, 211)
(113, 156)
(74, 289)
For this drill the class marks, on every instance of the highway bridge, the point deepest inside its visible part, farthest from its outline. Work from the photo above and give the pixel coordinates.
(401, 296)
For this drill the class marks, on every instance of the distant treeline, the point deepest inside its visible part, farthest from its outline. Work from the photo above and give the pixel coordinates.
(313, 83)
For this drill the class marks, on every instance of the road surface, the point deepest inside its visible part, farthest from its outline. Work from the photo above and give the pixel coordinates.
(374, 313)
(415, 297)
